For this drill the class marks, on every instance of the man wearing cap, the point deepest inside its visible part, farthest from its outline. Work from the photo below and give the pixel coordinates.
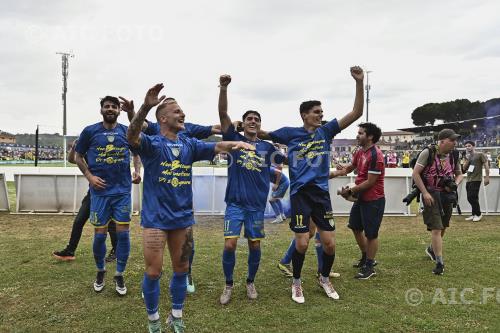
(435, 170)
(474, 163)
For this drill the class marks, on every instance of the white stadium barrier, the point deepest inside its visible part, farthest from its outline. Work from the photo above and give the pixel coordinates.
(4, 196)
(60, 190)
(60, 193)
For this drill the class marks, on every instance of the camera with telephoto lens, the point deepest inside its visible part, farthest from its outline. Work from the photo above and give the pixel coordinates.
(414, 193)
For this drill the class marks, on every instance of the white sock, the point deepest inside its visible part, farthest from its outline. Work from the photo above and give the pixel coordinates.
(154, 316)
(177, 313)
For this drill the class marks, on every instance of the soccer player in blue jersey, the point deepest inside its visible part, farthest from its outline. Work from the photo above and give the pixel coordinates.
(280, 186)
(190, 130)
(309, 163)
(167, 211)
(246, 192)
(108, 172)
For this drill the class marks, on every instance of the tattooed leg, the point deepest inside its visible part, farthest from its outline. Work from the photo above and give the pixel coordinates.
(153, 241)
(180, 245)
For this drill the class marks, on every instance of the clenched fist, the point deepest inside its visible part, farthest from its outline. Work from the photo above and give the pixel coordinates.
(224, 80)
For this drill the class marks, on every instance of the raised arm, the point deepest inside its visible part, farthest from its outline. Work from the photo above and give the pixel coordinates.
(225, 120)
(357, 110)
(151, 100)
(128, 107)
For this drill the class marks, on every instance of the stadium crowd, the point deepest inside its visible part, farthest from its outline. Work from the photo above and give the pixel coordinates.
(16, 152)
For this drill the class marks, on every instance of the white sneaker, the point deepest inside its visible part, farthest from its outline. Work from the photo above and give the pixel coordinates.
(226, 295)
(477, 218)
(297, 294)
(470, 218)
(283, 217)
(328, 288)
(277, 220)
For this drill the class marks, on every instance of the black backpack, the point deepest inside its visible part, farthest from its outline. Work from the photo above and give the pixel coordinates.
(454, 156)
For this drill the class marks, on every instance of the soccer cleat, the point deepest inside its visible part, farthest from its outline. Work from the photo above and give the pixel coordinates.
(111, 256)
(430, 253)
(251, 291)
(286, 269)
(297, 294)
(176, 324)
(99, 281)
(64, 255)
(120, 287)
(470, 218)
(439, 270)
(226, 295)
(328, 288)
(190, 284)
(362, 263)
(154, 326)
(477, 218)
(365, 273)
(278, 220)
(332, 274)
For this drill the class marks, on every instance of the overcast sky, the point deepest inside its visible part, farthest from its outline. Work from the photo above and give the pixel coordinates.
(279, 53)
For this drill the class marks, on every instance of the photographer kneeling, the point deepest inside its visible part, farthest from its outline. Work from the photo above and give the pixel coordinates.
(436, 174)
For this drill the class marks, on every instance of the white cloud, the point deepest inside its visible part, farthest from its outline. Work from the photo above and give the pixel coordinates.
(279, 53)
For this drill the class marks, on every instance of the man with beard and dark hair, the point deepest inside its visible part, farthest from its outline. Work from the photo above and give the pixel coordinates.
(367, 212)
(107, 169)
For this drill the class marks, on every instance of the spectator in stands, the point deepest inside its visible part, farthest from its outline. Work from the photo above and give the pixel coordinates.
(406, 159)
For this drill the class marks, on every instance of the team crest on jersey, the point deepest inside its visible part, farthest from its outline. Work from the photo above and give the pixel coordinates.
(111, 138)
(175, 151)
(312, 136)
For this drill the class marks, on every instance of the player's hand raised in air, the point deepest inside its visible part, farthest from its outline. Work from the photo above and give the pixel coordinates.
(224, 80)
(357, 73)
(126, 105)
(152, 98)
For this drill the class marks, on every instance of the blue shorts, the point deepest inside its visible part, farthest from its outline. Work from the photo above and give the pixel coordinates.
(105, 208)
(280, 191)
(367, 216)
(236, 216)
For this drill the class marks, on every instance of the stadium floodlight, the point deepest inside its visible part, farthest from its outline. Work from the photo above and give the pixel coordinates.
(65, 64)
(367, 88)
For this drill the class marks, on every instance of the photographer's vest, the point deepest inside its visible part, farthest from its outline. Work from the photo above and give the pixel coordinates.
(439, 168)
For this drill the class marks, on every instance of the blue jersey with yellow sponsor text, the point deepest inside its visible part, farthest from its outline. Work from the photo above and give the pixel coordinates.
(190, 130)
(108, 157)
(308, 153)
(168, 196)
(249, 172)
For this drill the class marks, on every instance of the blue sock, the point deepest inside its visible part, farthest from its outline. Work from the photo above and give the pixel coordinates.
(178, 286)
(280, 206)
(151, 290)
(122, 250)
(275, 208)
(228, 262)
(191, 258)
(253, 263)
(287, 258)
(319, 252)
(99, 248)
